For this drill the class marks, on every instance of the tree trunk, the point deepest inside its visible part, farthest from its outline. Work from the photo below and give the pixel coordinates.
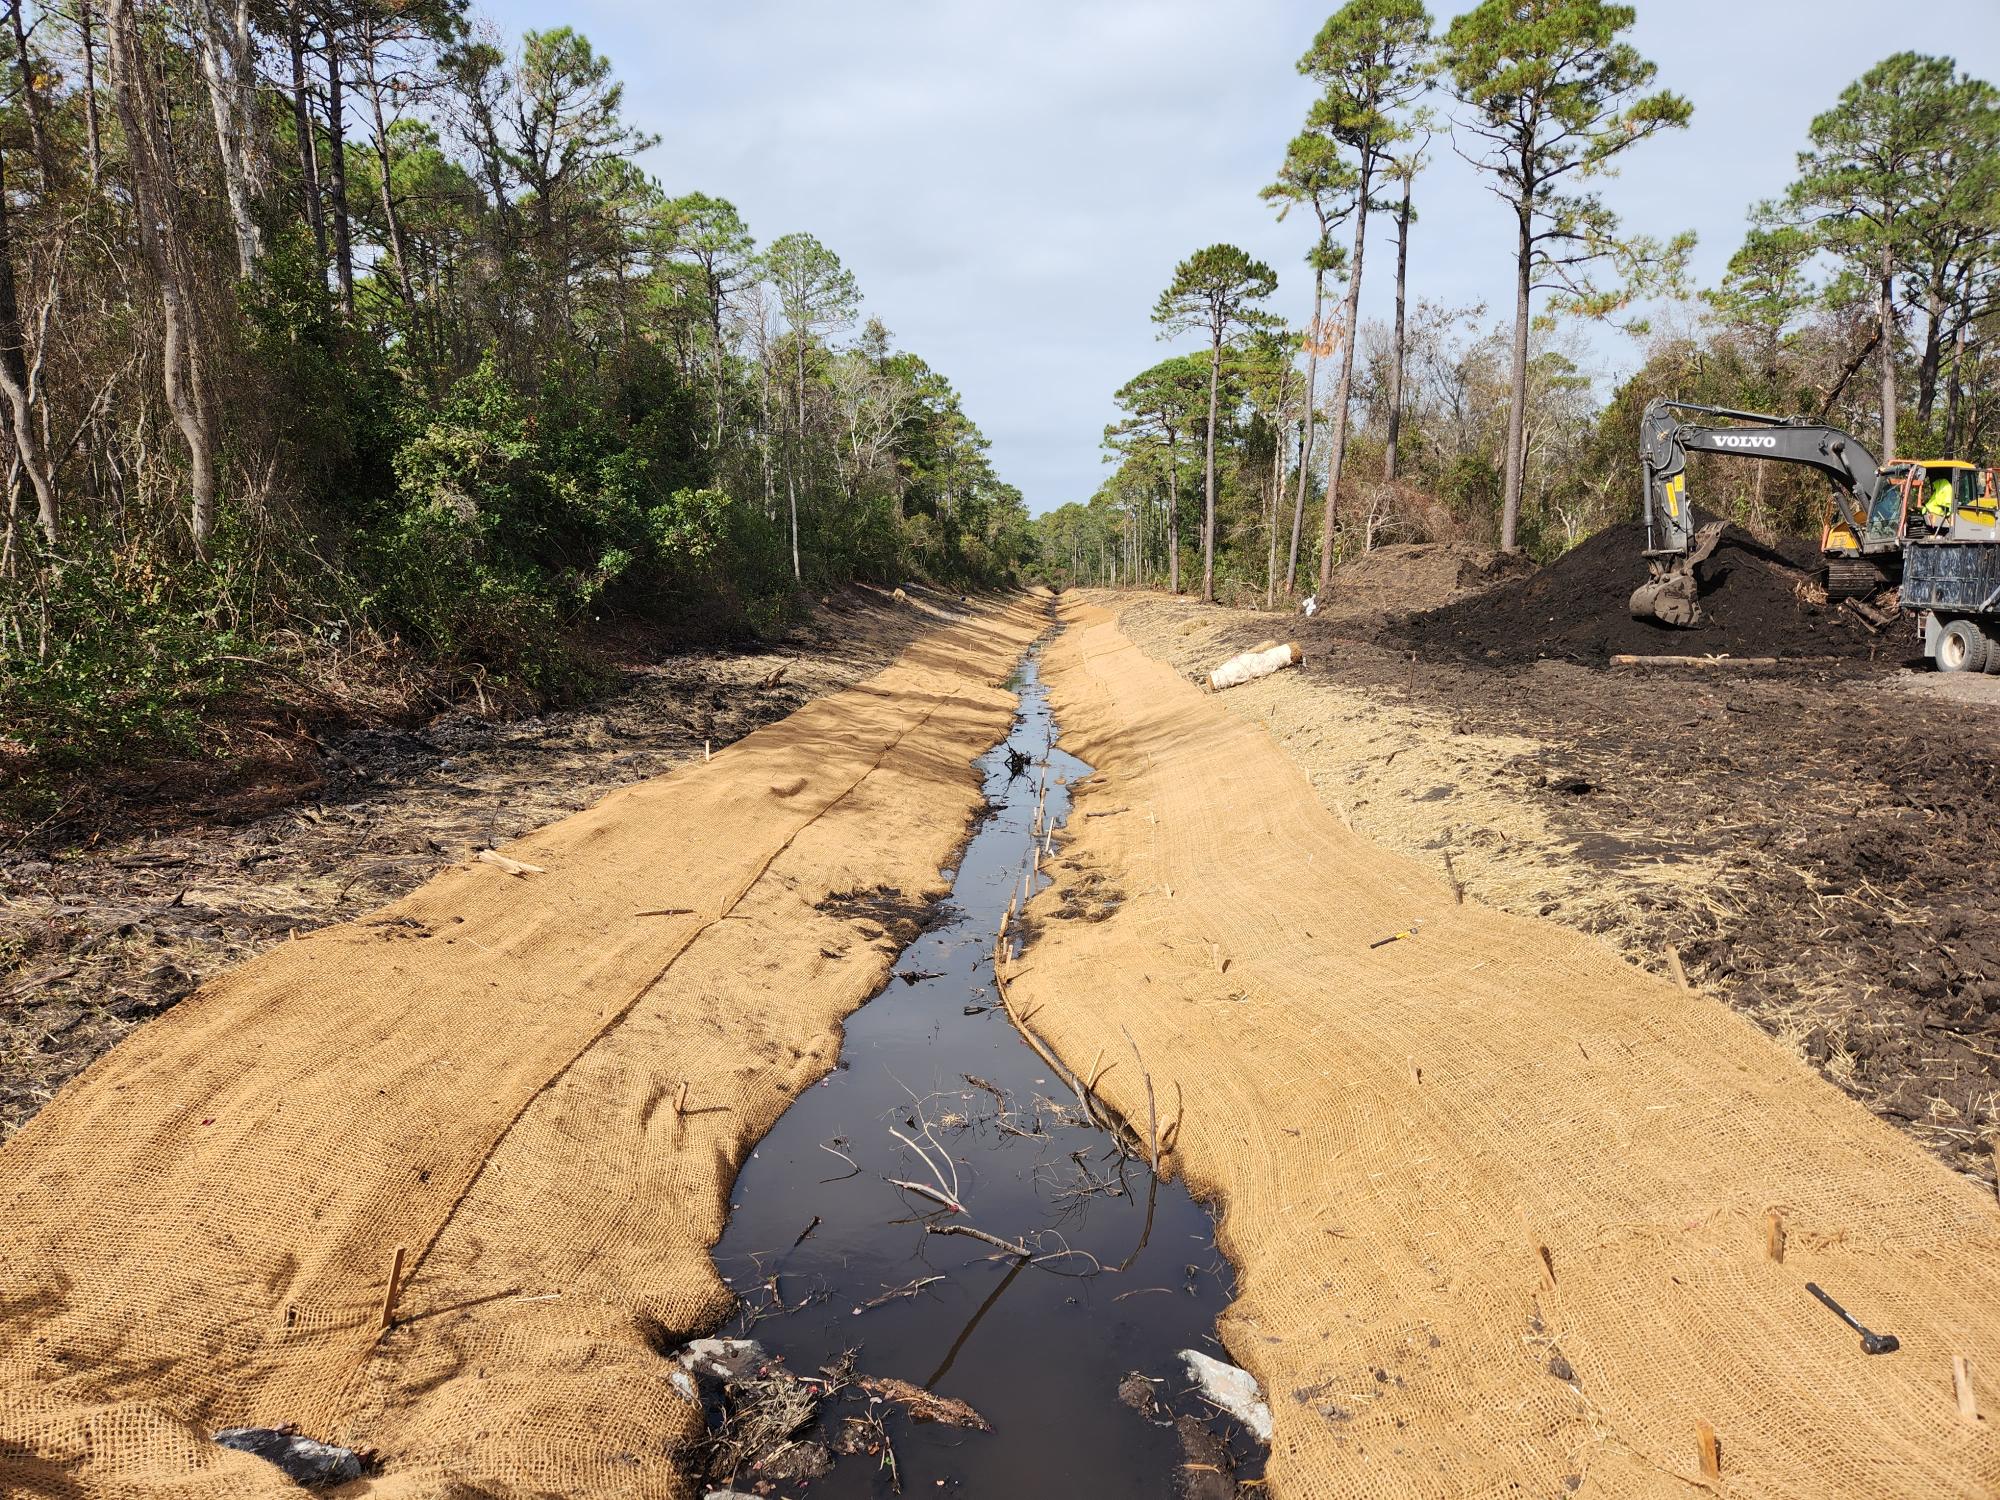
(1345, 386)
(1887, 314)
(392, 223)
(798, 447)
(156, 223)
(1305, 444)
(1396, 350)
(1277, 496)
(1954, 393)
(1173, 515)
(92, 136)
(308, 134)
(19, 413)
(1208, 471)
(336, 185)
(721, 372)
(1927, 367)
(1517, 384)
(31, 96)
(226, 49)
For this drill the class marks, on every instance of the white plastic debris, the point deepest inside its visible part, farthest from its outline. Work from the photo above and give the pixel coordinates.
(1234, 1390)
(721, 1359)
(1310, 607)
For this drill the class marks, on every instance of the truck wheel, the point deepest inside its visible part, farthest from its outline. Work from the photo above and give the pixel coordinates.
(1961, 648)
(1992, 654)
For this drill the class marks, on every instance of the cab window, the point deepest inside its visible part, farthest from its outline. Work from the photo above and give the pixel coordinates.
(1887, 512)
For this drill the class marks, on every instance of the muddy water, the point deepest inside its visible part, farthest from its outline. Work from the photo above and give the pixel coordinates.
(1036, 1348)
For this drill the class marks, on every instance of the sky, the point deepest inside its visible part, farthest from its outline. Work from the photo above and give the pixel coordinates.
(1012, 184)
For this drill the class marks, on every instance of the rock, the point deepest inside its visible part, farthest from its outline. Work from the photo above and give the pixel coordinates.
(721, 1359)
(1234, 1390)
(301, 1458)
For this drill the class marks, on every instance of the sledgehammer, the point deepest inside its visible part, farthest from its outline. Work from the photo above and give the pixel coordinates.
(1871, 1342)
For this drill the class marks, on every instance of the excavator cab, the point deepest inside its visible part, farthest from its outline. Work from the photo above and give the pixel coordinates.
(1973, 510)
(1899, 494)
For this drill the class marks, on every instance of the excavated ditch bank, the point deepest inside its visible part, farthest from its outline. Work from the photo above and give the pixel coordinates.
(830, 1255)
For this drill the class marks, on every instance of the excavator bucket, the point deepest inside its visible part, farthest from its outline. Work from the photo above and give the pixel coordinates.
(1672, 595)
(1669, 598)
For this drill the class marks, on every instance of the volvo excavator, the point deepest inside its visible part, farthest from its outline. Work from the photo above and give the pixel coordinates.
(1879, 533)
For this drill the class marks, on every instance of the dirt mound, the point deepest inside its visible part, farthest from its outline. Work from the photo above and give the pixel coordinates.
(1752, 597)
(1407, 576)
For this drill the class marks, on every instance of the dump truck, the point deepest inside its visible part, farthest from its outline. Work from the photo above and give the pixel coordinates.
(1923, 528)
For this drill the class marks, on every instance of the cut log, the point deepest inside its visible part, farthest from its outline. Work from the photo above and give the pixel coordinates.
(1873, 618)
(1627, 659)
(1252, 665)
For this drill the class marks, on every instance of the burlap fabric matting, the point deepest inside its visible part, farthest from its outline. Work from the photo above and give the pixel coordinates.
(197, 1232)
(1397, 1134)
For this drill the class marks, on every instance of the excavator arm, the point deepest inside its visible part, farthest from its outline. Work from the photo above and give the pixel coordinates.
(1675, 546)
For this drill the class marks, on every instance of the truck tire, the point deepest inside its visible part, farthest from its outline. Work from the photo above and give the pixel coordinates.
(1961, 647)
(1992, 653)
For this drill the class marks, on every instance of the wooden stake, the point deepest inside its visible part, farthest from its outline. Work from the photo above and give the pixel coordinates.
(1710, 1449)
(1961, 1385)
(705, 751)
(395, 1285)
(1774, 1234)
(1090, 1083)
(681, 1098)
(1674, 965)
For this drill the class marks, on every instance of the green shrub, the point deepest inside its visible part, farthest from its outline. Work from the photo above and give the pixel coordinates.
(108, 656)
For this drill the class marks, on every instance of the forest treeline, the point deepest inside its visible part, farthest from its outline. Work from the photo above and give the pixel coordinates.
(343, 331)
(1867, 294)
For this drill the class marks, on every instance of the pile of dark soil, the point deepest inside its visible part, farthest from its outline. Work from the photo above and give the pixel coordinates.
(1754, 600)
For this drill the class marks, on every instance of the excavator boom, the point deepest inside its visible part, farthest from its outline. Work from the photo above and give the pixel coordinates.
(1675, 546)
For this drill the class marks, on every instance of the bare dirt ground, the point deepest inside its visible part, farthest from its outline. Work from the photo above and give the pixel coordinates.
(1814, 843)
(98, 935)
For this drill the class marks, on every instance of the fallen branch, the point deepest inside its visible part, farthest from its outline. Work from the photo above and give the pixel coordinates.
(979, 1234)
(929, 1192)
(1628, 659)
(907, 1289)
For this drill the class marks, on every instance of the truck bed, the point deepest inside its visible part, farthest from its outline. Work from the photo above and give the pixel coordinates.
(1951, 577)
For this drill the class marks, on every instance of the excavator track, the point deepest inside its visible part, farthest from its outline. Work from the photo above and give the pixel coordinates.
(1855, 578)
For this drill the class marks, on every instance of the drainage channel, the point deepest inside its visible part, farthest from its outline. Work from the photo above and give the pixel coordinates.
(879, 1341)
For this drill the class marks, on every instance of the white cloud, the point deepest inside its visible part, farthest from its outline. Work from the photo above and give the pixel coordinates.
(1012, 184)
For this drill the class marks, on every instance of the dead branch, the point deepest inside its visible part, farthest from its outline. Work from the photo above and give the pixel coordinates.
(979, 1234)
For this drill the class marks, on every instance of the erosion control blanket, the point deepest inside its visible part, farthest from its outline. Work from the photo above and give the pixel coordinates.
(1497, 1199)
(538, 1084)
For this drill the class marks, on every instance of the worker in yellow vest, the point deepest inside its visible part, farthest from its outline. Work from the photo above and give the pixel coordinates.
(1937, 509)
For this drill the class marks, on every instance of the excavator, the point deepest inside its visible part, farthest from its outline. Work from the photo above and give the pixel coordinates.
(1878, 534)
